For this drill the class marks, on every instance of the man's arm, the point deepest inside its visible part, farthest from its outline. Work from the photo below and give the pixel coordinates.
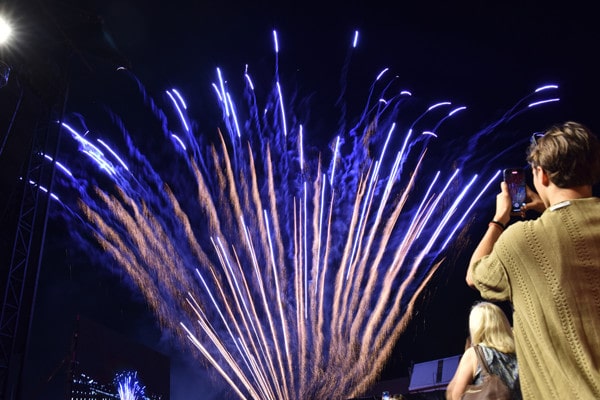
(484, 248)
(494, 230)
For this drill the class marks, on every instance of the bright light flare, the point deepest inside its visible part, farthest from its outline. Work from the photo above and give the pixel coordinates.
(6, 30)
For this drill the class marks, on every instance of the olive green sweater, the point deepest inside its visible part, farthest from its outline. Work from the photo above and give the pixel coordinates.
(549, 268)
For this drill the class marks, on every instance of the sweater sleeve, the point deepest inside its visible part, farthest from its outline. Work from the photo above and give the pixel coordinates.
(490, 277)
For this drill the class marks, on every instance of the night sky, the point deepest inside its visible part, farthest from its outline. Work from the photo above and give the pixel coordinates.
(485, 56)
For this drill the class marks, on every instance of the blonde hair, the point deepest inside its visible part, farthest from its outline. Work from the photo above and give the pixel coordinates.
(489, 326)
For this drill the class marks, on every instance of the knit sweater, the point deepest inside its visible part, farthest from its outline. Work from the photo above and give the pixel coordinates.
(549, 268)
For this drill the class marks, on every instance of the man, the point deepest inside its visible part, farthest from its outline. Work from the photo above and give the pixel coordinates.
(549, 268)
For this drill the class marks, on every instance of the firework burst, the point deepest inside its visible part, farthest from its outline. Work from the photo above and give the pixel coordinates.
(290, 270)
(128, 386)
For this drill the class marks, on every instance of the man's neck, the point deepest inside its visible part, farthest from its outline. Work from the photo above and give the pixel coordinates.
(558, 195)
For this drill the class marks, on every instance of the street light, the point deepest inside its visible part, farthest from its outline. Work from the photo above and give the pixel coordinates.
(5, 34)
(5, 30)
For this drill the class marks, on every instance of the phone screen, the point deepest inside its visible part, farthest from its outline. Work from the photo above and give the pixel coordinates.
(515, 179)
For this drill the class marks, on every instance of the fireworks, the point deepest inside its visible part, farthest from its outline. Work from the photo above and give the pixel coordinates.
(290, 270)
(128, 386)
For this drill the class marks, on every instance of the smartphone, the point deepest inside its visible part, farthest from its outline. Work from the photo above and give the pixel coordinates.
(515, 179)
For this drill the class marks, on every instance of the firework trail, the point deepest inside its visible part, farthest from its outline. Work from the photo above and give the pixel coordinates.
(292, 272)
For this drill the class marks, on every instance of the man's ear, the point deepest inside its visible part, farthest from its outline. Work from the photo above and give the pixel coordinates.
(544, 178)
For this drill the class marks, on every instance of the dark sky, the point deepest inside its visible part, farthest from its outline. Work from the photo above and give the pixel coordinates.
(483, 55)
